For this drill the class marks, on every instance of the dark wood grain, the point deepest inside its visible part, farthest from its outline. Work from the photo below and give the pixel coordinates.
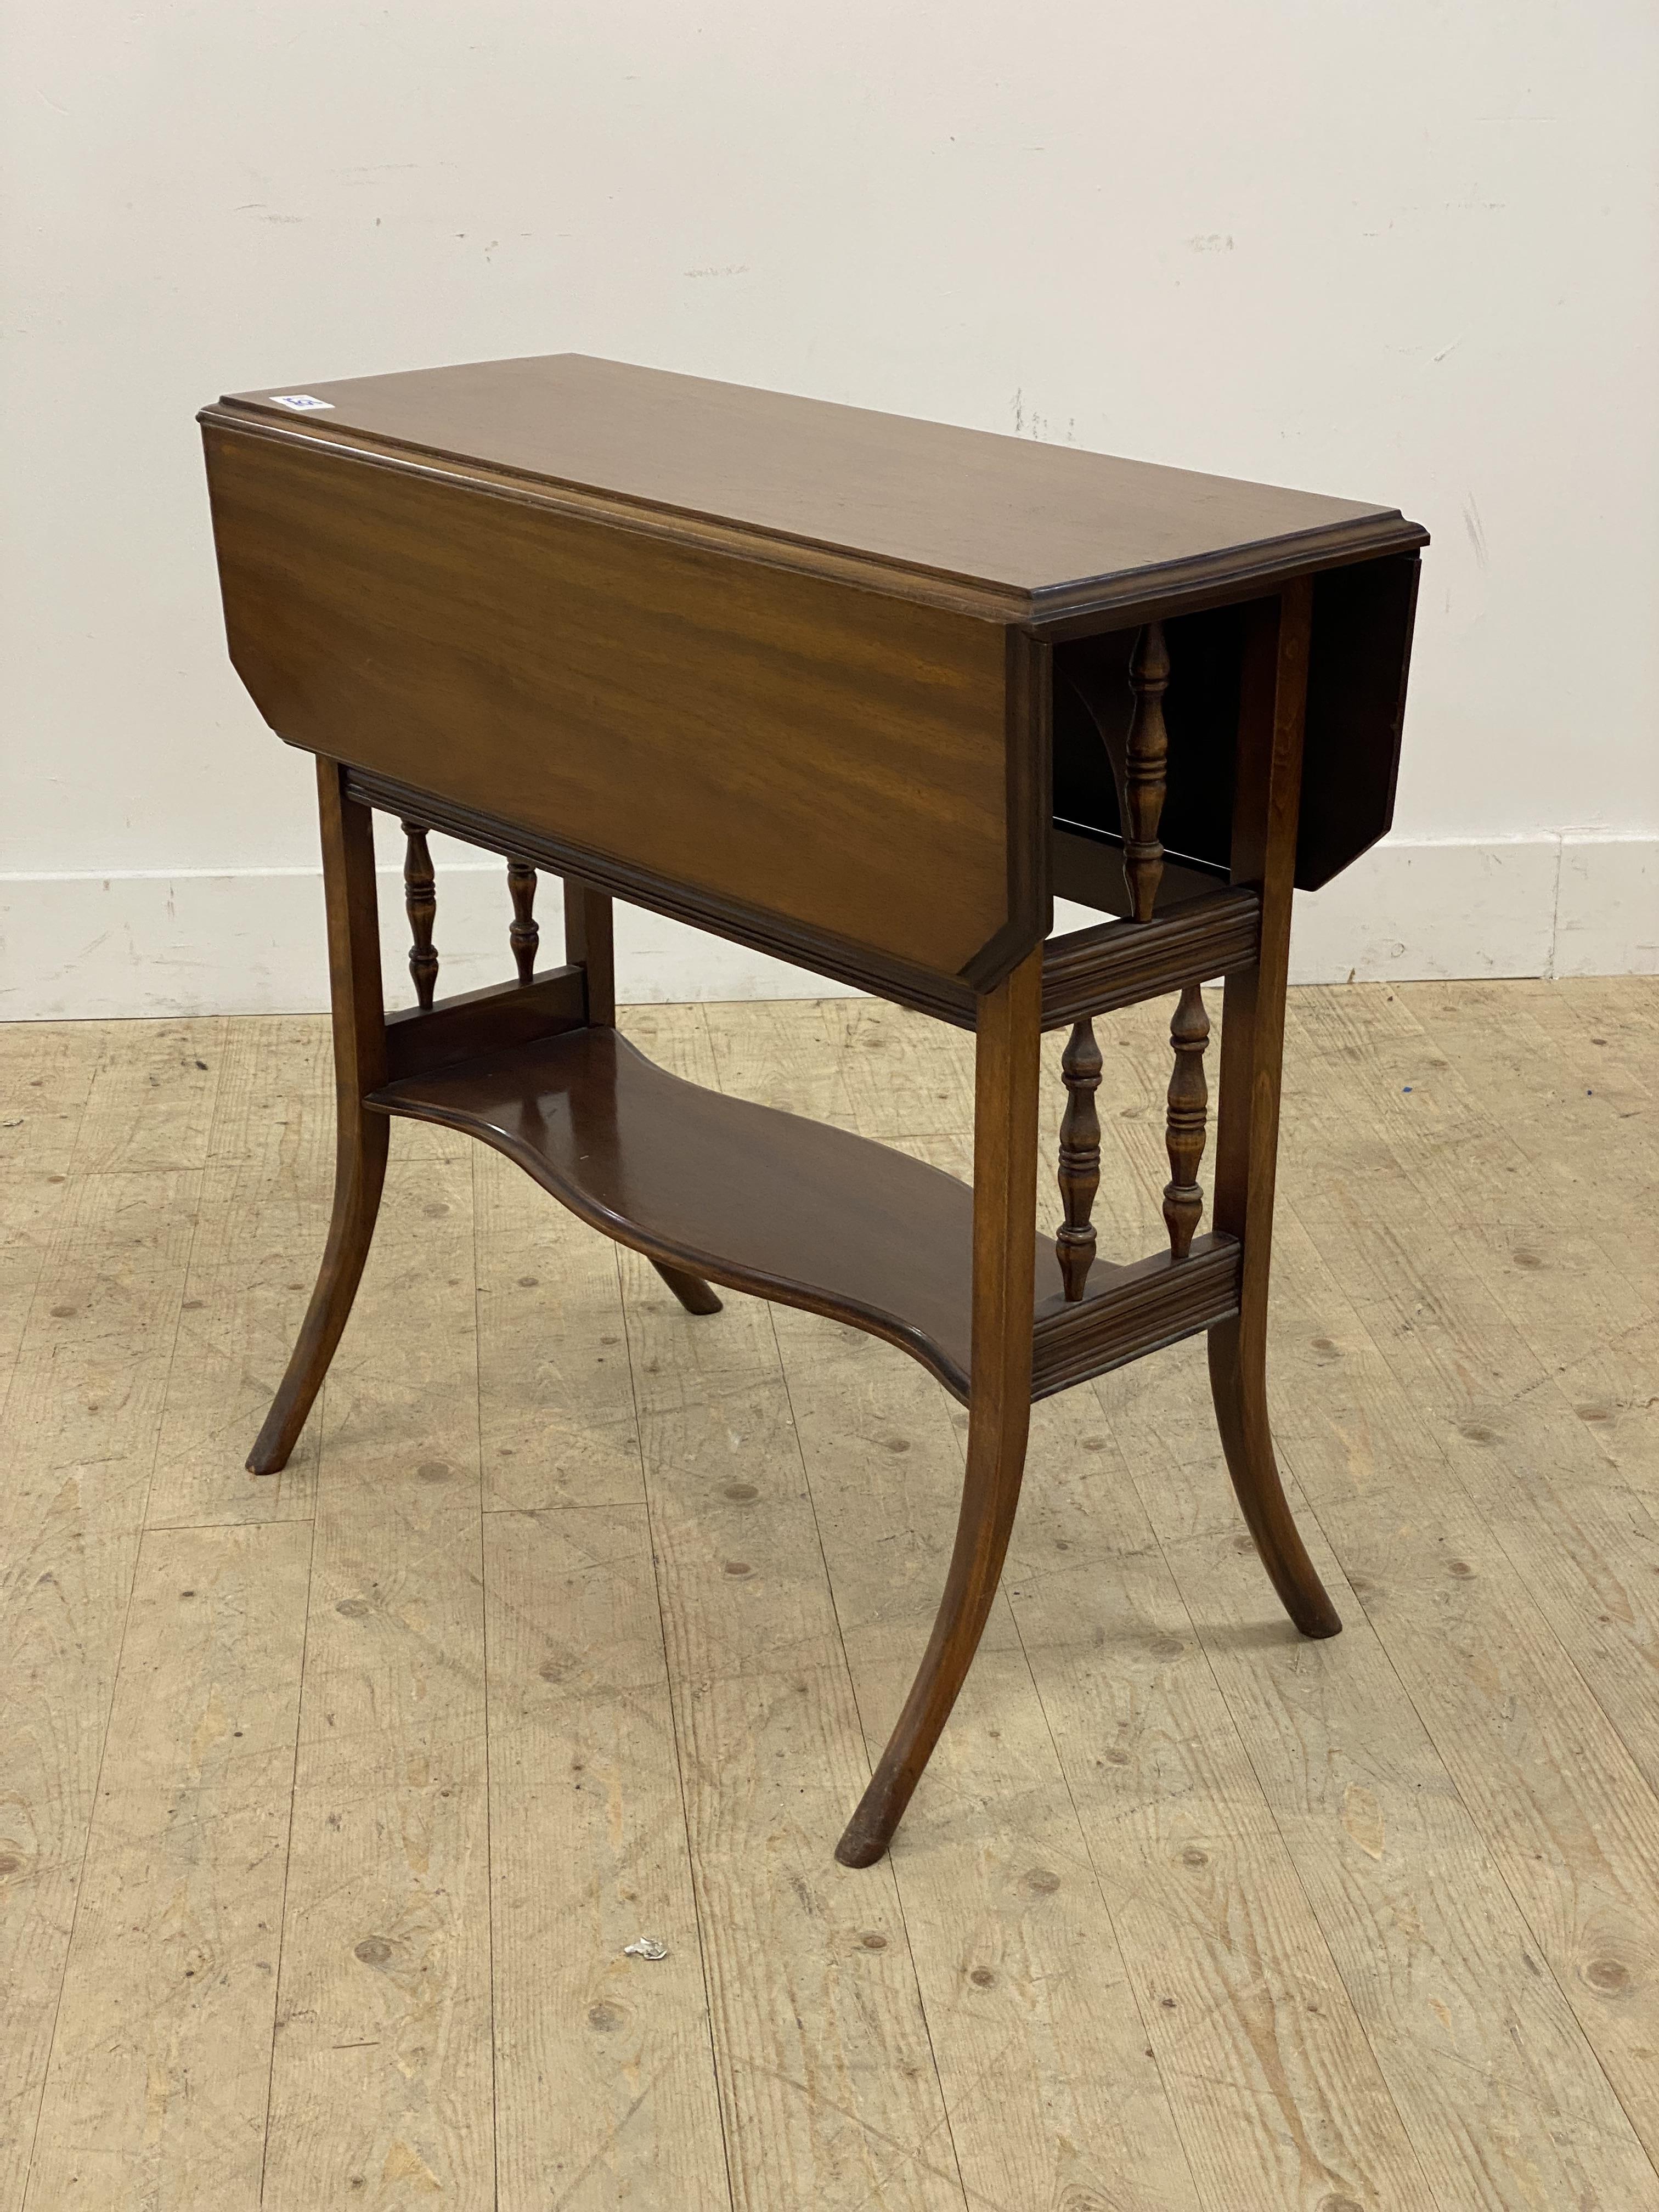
(1020, 530)
(693, 1293)
(523, 935)
(1357, 670)
(501, 1015)
(1363, 624)
(1118, 963)
(723, 1189)
(1187, 1114)
(1131, 1311)
(1247, 1125)
(1145, 763)
(438, 578)
(421, 905)
(711, 1186)
(858, 692)
(1089, 868)
(998, 1408)
(359, 1067)
(590, 940)
(839, 759)
(589, 943)
(949, 997)
(1079, 1158)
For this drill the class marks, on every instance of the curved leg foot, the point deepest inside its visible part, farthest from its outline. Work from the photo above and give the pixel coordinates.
(1006, 1020)
(996, 1460)
(693, 1293)
(359, 1176)
(1239, 1383)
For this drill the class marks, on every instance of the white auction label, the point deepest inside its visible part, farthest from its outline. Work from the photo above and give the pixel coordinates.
(302, 403)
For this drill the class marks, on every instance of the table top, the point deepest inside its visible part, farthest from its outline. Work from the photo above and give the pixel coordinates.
(1047, 528)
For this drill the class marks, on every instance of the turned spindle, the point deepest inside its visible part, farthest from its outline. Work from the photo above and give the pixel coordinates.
(523, 936)
(1146, 757)
(1079, 1158)
(1189, 1098)
(421, 904)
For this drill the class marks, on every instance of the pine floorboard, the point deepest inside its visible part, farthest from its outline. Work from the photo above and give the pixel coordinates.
(329, 1804)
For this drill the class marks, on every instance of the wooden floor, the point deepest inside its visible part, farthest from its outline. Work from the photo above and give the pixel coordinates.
(329, 1803)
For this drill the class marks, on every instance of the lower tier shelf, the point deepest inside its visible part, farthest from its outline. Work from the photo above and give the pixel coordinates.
(790, 1209)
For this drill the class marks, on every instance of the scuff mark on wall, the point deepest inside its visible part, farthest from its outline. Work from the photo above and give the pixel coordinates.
(1476, 530)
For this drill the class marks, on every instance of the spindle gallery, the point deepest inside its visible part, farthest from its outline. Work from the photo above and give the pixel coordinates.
(865, 694)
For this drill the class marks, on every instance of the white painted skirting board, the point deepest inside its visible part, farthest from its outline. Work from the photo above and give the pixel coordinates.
(251, 940)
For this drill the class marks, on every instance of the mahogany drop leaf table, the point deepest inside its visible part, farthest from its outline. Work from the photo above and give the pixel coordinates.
(865, 693)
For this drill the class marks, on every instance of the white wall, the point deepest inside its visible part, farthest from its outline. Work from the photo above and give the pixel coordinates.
(1404, 252)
